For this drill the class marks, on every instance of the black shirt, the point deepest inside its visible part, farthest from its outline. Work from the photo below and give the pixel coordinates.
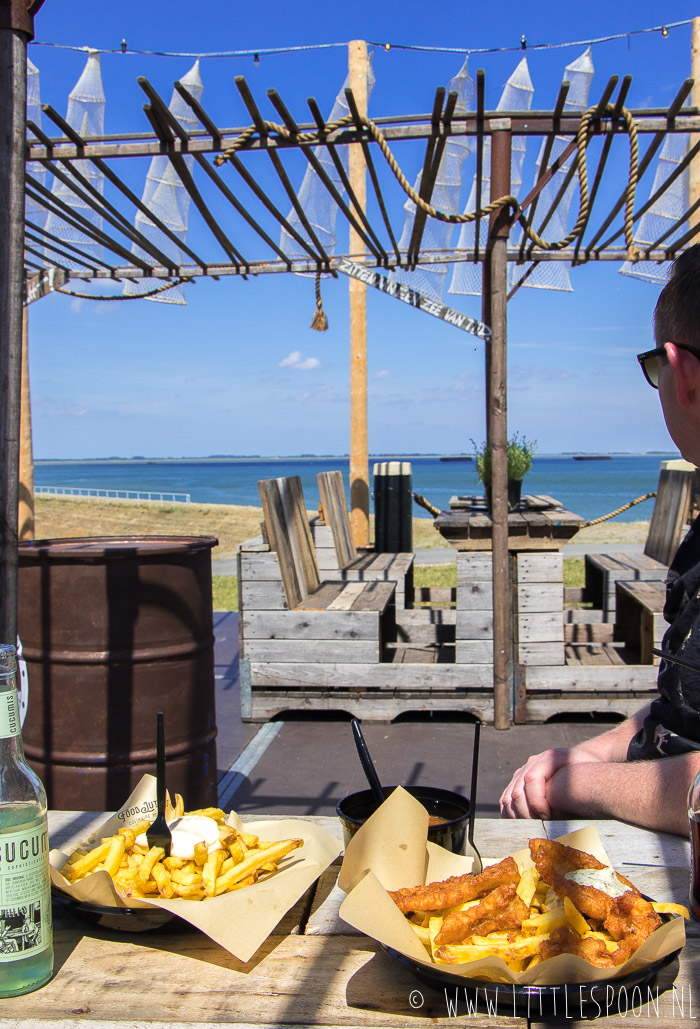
(673, 724)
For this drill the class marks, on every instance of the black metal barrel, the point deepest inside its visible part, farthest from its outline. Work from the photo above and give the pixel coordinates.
(393, 507)
(113, 630)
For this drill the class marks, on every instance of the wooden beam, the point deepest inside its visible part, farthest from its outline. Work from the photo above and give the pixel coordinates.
(694, 178)
(25, 513)
(498, 435)
(13, 91)
(359, 450)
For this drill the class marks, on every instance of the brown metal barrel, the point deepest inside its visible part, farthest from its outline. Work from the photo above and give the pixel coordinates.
(113, 630)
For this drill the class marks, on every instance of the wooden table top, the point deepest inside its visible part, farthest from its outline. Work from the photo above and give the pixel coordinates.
(314, 970)
(541, 524)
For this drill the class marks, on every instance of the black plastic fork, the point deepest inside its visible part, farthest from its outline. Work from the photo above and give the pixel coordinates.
(158, 833)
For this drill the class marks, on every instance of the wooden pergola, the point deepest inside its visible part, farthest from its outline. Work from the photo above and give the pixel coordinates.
(217, 167)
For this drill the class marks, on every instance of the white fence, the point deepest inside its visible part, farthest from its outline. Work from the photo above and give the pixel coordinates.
(112, 494)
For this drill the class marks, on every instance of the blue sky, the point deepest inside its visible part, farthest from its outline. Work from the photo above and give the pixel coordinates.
(238, 370)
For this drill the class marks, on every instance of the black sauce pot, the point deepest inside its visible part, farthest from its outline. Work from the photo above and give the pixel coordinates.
(354, 810)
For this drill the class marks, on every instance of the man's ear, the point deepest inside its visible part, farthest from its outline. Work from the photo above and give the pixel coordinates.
(686, 370)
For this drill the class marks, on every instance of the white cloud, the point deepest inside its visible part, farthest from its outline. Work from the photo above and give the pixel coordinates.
(300, 363)
(383, 374)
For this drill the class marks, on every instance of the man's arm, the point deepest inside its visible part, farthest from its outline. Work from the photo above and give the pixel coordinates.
(652, 793)
(526, 795)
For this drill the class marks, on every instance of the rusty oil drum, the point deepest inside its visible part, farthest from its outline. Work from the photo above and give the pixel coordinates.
(113, 630)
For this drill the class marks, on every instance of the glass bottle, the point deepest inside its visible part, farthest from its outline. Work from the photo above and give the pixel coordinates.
(694, 827)
(26, 941)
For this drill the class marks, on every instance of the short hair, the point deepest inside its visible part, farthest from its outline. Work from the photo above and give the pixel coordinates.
(677, 311)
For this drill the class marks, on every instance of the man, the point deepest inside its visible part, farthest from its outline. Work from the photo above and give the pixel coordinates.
(641, 770)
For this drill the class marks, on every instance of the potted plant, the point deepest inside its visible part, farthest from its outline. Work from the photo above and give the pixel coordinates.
(520, 452)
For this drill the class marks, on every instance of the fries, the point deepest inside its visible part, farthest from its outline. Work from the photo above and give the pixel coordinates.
(536, 919)
(234, 861)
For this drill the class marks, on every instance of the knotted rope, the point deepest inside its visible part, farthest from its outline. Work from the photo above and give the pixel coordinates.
(625, 507)
(128, 296)
(583, 137)
(320, 322)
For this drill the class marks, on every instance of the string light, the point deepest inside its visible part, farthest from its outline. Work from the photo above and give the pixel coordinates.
(271, 51)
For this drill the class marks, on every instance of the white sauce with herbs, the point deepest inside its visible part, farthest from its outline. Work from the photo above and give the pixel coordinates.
(186, 832)
(604, 879)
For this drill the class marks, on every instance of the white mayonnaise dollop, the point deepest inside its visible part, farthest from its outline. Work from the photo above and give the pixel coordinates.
(186, 832)
(604, 879)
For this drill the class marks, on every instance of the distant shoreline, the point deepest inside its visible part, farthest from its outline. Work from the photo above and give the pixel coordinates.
(263, 458)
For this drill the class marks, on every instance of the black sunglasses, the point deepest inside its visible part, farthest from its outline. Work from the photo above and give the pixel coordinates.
(650, 365)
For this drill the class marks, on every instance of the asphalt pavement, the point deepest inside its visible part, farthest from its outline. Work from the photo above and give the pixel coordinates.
(305, 765)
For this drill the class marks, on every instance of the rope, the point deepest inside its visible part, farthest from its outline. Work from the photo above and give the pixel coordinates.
(131, 296)
(625, 507)
(422, 502)
(320, 322)
(583, 138)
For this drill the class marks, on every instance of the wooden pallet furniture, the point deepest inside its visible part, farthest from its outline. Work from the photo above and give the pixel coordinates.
(604, 571)
(671, 514)
(338, 656)
(540, 524)
(639, 620)
(337, 554)
(537, 591)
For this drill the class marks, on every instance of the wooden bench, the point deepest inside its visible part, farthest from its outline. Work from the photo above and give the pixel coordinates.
(668, 520)
(287, 615)
(604, 571)
(639, 618)
(336, 551)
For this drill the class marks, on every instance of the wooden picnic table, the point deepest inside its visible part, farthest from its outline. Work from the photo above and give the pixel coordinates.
(542, 523)
(314, 970)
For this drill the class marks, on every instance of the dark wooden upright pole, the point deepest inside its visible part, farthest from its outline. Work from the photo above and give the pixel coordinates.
(497, 280)
(16, 29)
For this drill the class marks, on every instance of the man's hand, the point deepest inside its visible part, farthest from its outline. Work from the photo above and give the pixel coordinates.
(526, 794)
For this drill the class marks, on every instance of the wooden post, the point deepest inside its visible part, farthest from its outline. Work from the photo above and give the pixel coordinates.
(359, 453)
(497, 425)
(694, 173)
(25, 516)
(15, 30)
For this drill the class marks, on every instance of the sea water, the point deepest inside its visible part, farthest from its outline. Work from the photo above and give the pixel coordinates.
(589, 488)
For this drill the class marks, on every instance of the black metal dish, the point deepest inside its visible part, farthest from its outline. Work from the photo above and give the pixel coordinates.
(128, 920)
(354, 810)
(618, 995)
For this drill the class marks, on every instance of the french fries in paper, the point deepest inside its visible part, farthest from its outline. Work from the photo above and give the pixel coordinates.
(139, 872)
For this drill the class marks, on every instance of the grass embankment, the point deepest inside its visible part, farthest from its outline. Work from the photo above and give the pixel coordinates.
(231, 525)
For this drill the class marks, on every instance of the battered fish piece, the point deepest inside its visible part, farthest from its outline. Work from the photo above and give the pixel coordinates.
(456, 890)
(499, 909)
(566, 941)
(554, 860)
(631, 918)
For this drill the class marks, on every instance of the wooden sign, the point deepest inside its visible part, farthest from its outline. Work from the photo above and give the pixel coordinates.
(416, 299)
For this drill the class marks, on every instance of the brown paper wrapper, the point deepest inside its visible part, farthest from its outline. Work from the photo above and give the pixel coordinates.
(240, 921)
(391, 851)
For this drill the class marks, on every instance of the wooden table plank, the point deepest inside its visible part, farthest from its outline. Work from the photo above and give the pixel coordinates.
(330, 975)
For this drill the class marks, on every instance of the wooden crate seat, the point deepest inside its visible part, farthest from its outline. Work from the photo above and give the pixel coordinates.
(351, 565)
(671, 514)
(639, 622)
(290, 537)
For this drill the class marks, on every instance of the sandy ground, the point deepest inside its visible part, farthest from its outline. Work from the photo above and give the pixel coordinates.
(58, 517)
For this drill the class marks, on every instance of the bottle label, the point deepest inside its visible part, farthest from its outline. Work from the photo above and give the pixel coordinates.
(25, 893)
(9, 714)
